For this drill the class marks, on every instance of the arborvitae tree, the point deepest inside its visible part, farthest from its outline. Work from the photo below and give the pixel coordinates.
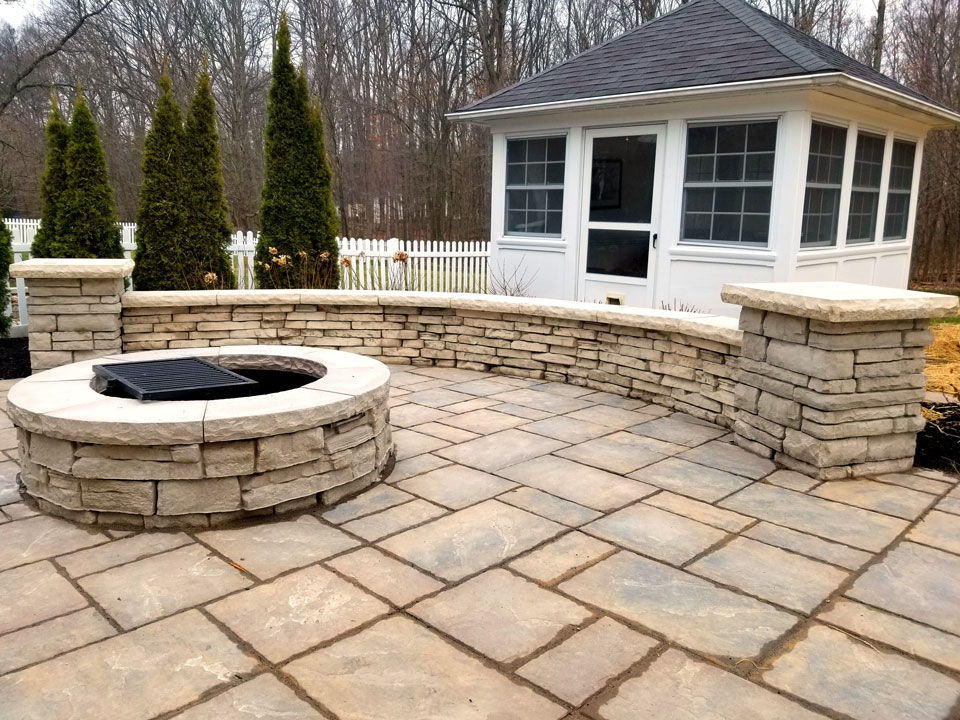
(6, 257)
(293, 217)
(329, 225)
(86, 223)
(205, 204)
(54, 178)
(160, 256)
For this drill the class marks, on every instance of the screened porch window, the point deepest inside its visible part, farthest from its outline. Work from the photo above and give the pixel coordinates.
(865, 195)
(821, 202)
(728, 182)
(535, 169)
(898, 192)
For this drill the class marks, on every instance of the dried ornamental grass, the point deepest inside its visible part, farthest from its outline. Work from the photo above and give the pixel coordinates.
(943, 359)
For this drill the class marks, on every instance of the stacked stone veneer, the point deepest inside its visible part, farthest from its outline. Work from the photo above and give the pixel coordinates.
(206, 483)
(831, 374)
(679, 360)
(73, 308)
(831, 399)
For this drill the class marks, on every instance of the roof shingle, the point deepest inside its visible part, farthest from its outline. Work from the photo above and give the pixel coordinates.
(703, 42)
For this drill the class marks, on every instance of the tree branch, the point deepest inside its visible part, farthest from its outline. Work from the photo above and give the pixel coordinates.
(17, 85)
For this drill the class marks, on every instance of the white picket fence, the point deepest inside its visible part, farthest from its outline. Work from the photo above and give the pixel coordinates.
(392, 264)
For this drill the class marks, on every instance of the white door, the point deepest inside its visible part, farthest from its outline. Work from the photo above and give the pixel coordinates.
(620, 212)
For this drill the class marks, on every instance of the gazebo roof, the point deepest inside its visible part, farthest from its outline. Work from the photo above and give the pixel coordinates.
(702, 43)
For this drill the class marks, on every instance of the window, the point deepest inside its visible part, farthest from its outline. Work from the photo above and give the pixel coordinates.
(535, 185)
(728, 182)
(821, 203)
(898, 190)
(865, 194)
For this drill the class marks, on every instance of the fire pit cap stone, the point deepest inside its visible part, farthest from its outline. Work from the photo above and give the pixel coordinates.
(61, 402)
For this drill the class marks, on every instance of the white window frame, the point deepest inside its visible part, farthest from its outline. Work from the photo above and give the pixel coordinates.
(534, 135)
(854, 128)
(844, 184)
(911, 192)
(733, 120)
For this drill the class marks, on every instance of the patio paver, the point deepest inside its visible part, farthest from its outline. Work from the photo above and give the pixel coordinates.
(677, 687)
(296, 612)
(491, 575)
(500, 615)
(693, 612)
(398, 669)
(133, 676)
(833, 670)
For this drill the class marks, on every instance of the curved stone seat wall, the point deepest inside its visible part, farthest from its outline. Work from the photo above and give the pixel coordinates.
(681, 360)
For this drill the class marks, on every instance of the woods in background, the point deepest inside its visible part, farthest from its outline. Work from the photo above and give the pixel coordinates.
(386, 72)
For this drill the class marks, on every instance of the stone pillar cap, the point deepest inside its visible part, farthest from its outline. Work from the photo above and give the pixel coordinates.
(51, 268)
(840, 301)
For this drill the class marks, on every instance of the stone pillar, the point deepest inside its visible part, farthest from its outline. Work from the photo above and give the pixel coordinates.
(73, 308)
(831, 374)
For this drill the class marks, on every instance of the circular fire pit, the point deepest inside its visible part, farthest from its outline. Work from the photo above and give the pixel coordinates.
(93, 457)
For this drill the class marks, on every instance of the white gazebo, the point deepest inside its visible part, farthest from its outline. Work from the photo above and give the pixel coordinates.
(712, 145)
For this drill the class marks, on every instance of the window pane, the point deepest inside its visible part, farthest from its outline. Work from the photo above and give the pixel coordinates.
(821, 203)
(901, 165)
(516, 221)
(557, 149)
(728, 182)
(700, 169)
(622, 174)
(536, 199)
(516, 174)
(898, 211)
(731, 138)
(516, 199)
(756, 229)
(762, 137)
(759, 167)
(726, 228)
(618, 252)
(527, 164)
(536, 222)
(863, 217)
(700, 200)
(868, 165)
(536, 150)
(730, 168)
(756, 199)
(554, 222)
(555, 173)
(701, 140)
(728, 200)
(696, 226)
(516, 151)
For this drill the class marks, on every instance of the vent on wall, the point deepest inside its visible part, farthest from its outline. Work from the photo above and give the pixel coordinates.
(616, 299)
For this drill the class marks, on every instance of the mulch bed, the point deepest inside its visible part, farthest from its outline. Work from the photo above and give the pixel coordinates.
(14, 358)
(938, 445)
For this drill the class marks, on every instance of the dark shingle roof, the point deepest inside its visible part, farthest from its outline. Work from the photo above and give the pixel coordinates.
(703, 42)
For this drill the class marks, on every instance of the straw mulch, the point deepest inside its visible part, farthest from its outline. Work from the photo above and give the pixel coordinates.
(943, 359)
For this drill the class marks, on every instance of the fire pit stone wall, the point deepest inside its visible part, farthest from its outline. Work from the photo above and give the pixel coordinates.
(95, 458)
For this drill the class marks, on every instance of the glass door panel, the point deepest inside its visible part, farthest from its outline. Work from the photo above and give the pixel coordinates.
(619, 228)
(621, 183)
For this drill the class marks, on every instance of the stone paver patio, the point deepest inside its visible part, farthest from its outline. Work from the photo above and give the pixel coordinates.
(541, 551)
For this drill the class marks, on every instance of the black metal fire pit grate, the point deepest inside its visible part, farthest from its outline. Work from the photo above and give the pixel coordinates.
(188, 378)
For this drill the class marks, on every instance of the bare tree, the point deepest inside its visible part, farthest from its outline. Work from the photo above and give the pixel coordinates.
(22, 68)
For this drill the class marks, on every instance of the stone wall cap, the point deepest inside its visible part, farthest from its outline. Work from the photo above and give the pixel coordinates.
(55, 268)
(840, 301)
